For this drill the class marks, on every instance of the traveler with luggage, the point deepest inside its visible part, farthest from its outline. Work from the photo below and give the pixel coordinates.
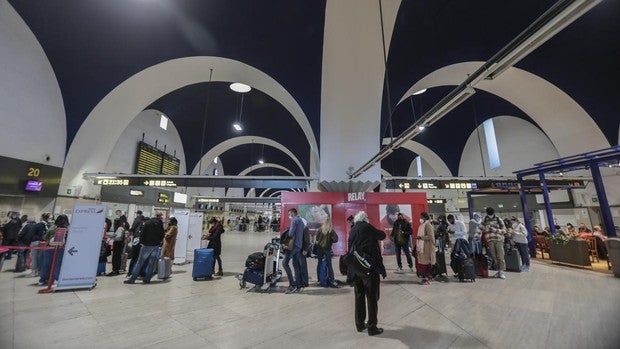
(215, 242)
(519, 236)
(401, 232)
(24, 237)
(62, 221)
(170, 239)
(10, 231)
(295, 235)
(38, 234)
(364, 241)
(325, 237)
(425, 248)
(119, 227)
(136, 232)
(456, 228)
(494, 230)
(152, 237)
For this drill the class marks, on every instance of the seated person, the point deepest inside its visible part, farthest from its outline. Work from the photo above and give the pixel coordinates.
(583, 228)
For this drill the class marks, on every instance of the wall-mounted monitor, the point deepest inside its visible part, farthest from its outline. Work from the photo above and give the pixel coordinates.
(32, 185)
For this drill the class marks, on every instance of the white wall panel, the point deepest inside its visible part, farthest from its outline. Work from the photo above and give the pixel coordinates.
(31, 105)
(520, 144)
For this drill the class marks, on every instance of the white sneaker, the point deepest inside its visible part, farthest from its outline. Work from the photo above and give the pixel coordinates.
(502, 276)
(525, 268)
(496, 275)
(411, 269)
(399, 270)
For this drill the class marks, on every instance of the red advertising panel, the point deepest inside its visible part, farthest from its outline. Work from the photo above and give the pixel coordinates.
(381, 208)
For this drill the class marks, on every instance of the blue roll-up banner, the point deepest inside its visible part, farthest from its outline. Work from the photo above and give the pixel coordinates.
(81, 255)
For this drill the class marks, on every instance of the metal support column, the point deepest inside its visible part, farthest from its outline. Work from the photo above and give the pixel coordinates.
(526, 217)
(608, 220)
(545, 192)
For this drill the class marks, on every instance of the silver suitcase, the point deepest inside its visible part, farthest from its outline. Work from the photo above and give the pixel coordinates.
(164, 268)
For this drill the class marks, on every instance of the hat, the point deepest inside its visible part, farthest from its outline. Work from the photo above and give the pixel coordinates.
(138, 212)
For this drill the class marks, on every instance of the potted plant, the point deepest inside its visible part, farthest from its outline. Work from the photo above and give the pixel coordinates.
(568, 250)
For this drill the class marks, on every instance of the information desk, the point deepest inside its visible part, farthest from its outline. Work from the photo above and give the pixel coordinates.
(575, 252)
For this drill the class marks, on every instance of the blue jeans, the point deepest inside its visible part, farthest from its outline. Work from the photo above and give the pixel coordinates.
(330, 270)
(35, 257)
(294, 255)
(148, 255)
(523, 251)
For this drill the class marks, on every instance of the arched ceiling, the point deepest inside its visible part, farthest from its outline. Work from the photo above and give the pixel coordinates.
(95, 46)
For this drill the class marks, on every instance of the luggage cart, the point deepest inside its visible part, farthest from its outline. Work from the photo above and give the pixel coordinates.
(271, 273)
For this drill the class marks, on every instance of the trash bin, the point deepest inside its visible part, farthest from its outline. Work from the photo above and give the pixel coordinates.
(613, 253)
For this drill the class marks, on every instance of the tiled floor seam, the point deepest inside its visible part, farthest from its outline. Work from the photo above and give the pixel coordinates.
(457, 325)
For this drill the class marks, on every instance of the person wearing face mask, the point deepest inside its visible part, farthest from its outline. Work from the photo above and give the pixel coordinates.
(519, 235)
(120, 226)
(495, 230)
(425, 247)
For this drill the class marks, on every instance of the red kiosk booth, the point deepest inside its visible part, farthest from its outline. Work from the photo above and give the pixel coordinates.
(381, 208)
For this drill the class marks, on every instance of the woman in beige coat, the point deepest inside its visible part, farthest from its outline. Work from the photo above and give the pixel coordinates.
(170, 239)
(425, 247)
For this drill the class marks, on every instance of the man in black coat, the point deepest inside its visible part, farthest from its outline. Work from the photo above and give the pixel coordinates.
(152, 237)
(10, 231)
(401, 232)
(364, 239)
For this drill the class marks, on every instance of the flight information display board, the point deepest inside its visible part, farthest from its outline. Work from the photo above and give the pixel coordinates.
(152, 161)
(170, 165)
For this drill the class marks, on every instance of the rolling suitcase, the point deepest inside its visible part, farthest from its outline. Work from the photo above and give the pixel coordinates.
(322, 273)
(164, 268)
(513, 262)
(440, 259)
(253, 276)
(203, 263)
(467, 271)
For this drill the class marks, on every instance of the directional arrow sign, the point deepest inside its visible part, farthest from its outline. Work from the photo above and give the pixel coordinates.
(400, 185)
(72, 250)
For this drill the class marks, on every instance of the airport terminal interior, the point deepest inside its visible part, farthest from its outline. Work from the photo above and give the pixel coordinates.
(207, 121)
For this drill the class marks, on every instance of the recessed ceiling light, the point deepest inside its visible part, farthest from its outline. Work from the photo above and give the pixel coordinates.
(419, 92)
(421, 127)
(163, 122)
(261, 161)
(237, 126)
(215, 160)
(239, 87)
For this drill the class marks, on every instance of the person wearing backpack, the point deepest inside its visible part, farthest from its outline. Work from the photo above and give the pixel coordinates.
(120, 227)
(401, 232)
(24, 238)
(38, 234)
(494, 230)
(325, 237)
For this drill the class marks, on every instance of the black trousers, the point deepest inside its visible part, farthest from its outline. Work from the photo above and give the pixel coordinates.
(405, 249)
(366, 294)
(117, 252)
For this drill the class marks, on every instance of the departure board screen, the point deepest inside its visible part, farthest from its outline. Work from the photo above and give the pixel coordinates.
(152, 161)
(170, 165)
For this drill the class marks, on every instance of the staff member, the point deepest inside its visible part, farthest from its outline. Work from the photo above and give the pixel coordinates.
(364, 238)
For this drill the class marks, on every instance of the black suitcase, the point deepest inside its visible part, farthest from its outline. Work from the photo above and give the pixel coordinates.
(513, 262)
(440, 259)
(467, 270)
(255, 261)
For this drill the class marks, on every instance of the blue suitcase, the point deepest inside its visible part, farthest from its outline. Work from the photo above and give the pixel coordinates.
(203, 263)
(253, 276)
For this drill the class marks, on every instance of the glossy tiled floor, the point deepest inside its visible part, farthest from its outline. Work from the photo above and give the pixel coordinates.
(550, 307)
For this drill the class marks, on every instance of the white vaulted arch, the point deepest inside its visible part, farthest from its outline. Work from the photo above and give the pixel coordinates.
(114, 112)
(566, 123)
(433, 160)
(267, 164)
(234, 142)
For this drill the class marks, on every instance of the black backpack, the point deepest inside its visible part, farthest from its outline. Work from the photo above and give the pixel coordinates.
(26, 234)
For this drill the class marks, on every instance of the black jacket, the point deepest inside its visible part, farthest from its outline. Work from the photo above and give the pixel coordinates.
(136, 224)
(364, 238)
(11, 229)
(152, 233)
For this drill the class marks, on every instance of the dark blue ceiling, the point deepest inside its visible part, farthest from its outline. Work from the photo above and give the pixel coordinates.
(581, 60)
(239, 158)
(93, 46)
(262, 116)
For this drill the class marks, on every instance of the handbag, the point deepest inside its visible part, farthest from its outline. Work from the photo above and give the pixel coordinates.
(357, 264)
(119, 234)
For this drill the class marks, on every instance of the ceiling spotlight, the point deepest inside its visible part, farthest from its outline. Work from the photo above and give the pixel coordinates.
(237, 126)
(610, 165)
(419, 92)
(561, 174)
(261, 161)
(421, 127)
(239, 87)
